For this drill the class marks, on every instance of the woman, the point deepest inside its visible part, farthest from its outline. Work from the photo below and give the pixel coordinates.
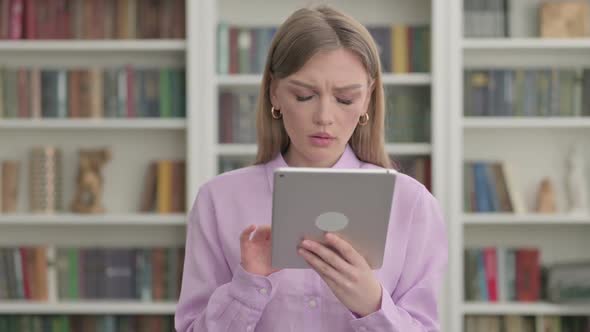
(321, 105)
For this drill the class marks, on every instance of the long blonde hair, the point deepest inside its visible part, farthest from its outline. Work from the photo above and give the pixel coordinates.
(306, 32)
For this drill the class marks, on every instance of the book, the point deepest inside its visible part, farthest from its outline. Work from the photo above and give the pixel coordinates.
(10, 181)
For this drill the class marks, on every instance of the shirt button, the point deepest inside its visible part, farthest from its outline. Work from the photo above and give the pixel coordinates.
(312, 303)
(263, 291)
(249, 328)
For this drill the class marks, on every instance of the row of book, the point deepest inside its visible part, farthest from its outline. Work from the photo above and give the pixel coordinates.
(119, 92)
(164, 188)
(84, 19)
(237, 116)
(486, 18)
(527, 92)
(407, 115)
(23, 273)
(146, 274)
(516, 323)
(516, 274)
(86, 323)
(497, 274)
(420, 168)
(402, 48)
(488, 187)
(45, 178)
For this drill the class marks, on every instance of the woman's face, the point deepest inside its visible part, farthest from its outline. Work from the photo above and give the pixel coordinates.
(321, 105)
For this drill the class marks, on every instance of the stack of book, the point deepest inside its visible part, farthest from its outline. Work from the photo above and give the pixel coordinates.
(146, 274)
(237, 116)
(407, 114)
(23, 274)
(502, 274)
(403, 48)
(106, 19)
(9, 182)
(122, 92)
(46, 180)
(109, 323)
(489, 188)
(164, 187)
(527, 92)
(486, 18)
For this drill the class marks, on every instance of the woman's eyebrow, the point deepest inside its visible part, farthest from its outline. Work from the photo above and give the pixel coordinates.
(339, 89)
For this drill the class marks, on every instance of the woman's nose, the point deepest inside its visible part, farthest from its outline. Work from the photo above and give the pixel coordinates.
(324, 116)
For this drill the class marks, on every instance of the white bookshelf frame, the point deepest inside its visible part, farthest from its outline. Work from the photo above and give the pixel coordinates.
(527, 309)
(88, 308)
(70, 219)
(93, 123)
(144, 45)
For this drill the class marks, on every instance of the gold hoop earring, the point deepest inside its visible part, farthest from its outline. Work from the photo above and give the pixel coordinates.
(276, 114)
(364, 119)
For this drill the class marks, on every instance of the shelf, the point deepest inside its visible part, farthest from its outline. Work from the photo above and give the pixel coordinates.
(480, 308)
(99, 307)
(93, 123)
(105, 219)
(239, 79)
(512, 44)
(236, 149)
(407, 79)
(411, 149)
(163, 45)
(388, 79)
(520, 123)
(396, 149)
(505, 219)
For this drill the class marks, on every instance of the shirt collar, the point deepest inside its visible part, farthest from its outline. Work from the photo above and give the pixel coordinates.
(347, 160)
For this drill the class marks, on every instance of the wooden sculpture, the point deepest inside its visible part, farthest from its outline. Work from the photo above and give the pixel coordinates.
(546, 197)
(89, 182)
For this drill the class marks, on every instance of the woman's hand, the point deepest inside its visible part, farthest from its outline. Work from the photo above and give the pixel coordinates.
(255, 252)
(346, 272)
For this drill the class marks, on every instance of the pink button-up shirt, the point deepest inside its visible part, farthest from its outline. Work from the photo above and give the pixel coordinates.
(219, 295)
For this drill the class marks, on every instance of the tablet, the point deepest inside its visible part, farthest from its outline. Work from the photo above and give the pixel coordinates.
(352, 203)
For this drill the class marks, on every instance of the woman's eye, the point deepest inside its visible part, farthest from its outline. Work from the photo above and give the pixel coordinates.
(344, 101)
(304, 98)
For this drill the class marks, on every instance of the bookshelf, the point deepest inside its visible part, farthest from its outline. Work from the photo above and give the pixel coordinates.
(195, 138)
(534, 147)
(134, 142)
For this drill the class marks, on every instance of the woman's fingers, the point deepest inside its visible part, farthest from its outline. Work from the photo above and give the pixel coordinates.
(245, 236)
(346, 250)
(328, 256)
(323, 268)
(262, 233)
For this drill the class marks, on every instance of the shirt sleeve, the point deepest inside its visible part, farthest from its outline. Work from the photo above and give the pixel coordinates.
(211, 298)
(413, 304)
